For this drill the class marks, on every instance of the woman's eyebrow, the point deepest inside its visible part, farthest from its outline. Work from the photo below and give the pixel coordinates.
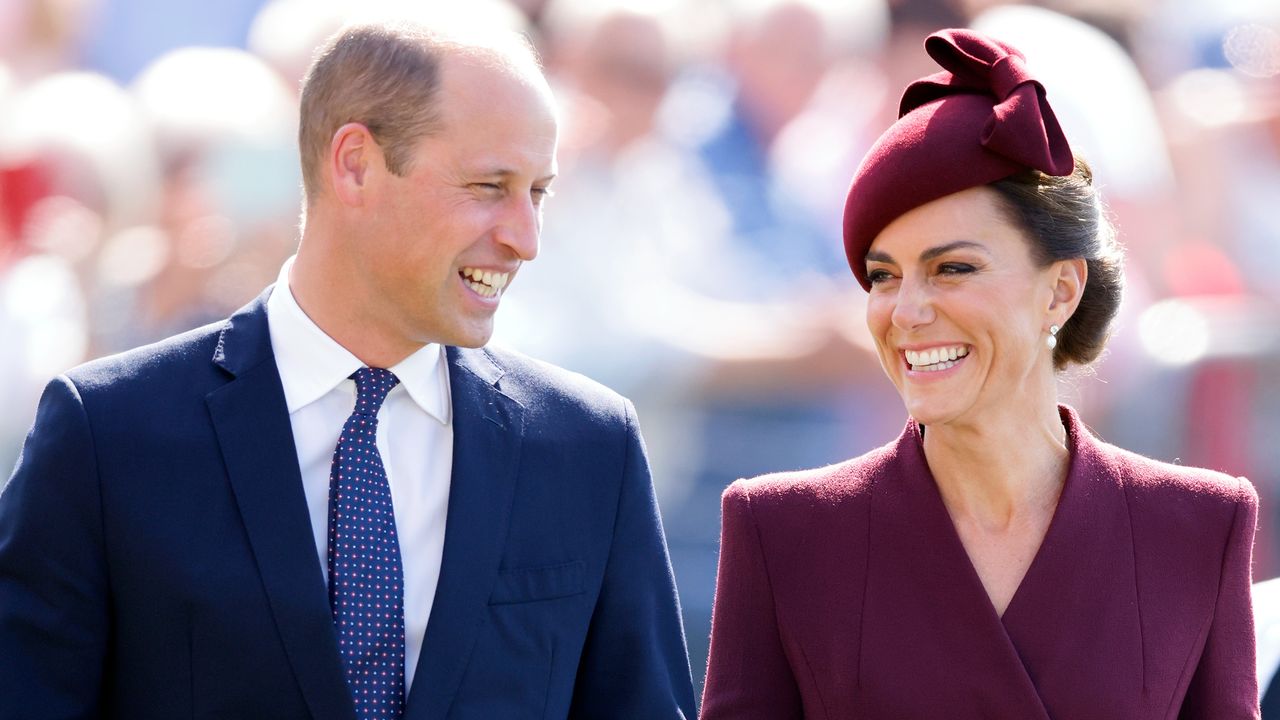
(927, 255)
(937, 250)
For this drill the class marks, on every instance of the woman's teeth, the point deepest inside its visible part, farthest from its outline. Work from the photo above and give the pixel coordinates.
(935, 359)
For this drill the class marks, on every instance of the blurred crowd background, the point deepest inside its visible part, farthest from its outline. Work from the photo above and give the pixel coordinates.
(691, 258)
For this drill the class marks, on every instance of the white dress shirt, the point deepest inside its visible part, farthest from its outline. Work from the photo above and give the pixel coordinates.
(415, 440)
(1266, 620)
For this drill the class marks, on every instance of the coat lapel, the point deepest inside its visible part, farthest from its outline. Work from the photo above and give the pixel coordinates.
(488, 428)
(251, 420)
(1074, 619)
(927, 620)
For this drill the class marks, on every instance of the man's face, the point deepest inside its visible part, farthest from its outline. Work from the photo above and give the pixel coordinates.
(446, 239)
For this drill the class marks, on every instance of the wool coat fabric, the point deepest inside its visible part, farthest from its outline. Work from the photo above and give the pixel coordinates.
(845, 593)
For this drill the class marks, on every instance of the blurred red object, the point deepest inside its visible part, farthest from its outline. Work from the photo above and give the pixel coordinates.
(1200, 268)
(22, 185)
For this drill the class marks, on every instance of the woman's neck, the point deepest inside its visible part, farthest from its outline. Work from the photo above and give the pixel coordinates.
(995, 472)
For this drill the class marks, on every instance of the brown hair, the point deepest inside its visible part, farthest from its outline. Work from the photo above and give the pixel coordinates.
(383, 77)
(1064, 220)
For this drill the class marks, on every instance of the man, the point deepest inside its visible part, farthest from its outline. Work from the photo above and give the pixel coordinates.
(205, 528)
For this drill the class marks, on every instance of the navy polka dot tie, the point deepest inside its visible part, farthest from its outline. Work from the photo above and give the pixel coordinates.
(366, 580)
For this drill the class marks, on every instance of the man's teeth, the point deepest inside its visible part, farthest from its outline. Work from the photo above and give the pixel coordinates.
(485, 282)
(935, 359)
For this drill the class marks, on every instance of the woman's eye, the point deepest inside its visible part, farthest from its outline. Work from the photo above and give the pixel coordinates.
(955, 268)
(878, 276)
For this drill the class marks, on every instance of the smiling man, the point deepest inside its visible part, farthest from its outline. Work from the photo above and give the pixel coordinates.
(336, 504)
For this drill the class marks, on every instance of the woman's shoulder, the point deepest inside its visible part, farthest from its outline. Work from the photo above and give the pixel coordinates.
(1181, 505)
(804, 490)
(1151, 479)
(1156, 483)
(797, 517)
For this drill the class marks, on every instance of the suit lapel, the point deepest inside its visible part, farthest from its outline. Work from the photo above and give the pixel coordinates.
(1074, 618)
(927, 620)
(251, 420)
(488, 428)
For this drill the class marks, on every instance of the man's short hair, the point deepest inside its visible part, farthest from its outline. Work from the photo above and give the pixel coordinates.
(383, 77)
(387, 76)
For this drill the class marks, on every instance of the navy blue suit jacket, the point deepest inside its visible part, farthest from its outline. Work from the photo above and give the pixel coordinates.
(157, 559)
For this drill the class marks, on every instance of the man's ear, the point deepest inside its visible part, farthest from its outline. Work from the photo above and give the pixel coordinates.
(1068, 278)
(352, 155)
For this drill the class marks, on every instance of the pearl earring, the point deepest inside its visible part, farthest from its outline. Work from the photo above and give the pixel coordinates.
(1052, 340)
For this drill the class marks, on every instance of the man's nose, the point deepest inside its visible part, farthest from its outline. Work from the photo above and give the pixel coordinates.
(521, 227)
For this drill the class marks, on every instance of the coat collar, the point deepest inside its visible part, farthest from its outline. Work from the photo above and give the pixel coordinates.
(251, 421)
(312, 364)
(487, 440)
(245, 339)
(1076, 602)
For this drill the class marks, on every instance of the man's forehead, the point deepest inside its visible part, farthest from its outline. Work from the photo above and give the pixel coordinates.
(496, 123)
(479, 85)
(469, 64)
(498, 49)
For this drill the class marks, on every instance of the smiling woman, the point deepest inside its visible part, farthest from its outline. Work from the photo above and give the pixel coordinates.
(997, 559)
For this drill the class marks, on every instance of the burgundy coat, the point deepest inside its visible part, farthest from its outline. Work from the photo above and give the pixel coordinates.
(844, 593)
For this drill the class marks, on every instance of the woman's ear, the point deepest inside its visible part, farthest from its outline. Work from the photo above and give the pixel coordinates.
(1068, 278)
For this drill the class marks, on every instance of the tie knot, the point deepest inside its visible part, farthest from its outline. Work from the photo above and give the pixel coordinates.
(372, 386)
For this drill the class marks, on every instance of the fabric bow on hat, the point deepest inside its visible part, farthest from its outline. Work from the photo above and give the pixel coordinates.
(1022, 126)
(981, 119)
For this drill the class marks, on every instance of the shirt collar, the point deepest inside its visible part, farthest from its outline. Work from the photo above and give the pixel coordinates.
(311, 363)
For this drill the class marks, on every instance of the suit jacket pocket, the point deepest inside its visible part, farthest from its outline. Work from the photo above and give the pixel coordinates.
(521, 585)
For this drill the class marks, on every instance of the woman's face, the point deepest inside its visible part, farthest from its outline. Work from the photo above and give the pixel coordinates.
(958, 310)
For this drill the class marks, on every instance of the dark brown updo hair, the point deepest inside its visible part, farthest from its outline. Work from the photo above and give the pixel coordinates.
(1064, 219)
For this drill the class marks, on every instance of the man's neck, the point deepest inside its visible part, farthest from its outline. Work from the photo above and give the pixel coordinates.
(328, 303)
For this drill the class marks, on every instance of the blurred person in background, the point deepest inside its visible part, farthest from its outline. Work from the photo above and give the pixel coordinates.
(776, 55)
(1214, 325)
(779, 377)
(193, 528)
(780, 363)
(998, 559)
(224, 127)
(635, 248)
(78, 169)
(42, 312)
(632, 221)
(41, 37)
(1227, 121)
(123, 37)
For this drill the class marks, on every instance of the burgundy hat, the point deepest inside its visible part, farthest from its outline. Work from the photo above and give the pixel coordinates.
(982, 119)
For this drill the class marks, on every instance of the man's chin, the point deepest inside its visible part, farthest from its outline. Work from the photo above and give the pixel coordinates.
(476, 336)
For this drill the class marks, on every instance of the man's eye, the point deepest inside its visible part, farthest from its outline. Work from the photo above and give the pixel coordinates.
(541, 194)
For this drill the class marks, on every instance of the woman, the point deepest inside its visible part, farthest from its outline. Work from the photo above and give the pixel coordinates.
(997, 560)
